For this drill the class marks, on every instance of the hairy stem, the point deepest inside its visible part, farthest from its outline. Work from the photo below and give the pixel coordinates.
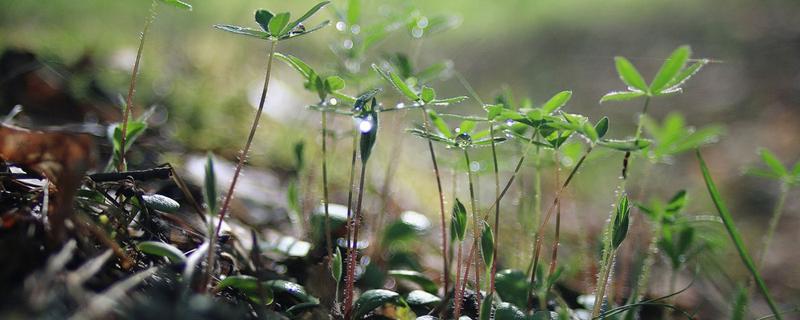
(426, 126)
(242, 158)
(353, 251)
(602, 282)
(475, 231)
(458, 291)
(348, 294)
(328, 240)
(126, 113)
(773, 224)
(556, 239)
(496, 212)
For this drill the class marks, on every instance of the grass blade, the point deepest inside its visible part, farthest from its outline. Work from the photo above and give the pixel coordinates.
(735, 236)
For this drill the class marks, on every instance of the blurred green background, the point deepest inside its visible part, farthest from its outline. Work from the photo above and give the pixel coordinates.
(204, 83)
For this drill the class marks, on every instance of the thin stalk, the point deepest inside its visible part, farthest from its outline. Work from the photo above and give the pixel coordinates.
(554, 256)
(328, 240)
(496, 212)
(773, 224)
(351, 255)
(457, 290)
(736, 237)
(132, 88)
(426, 125)
(540, 231)
(641, 116)
(602, 282)
(242, 158)
(348, 294)
(475, 231)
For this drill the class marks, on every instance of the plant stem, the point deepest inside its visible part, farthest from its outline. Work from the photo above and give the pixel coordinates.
(348, 294)
(602, 282)
(457, 289)
(426, 126)
(328, 240)
(727, 220)
(132, 88)
(242, 158)
(475, 231)
(641, 116)
(540, 231)
(773, 224)
(554, 257)
(352, 251)
(496, 212)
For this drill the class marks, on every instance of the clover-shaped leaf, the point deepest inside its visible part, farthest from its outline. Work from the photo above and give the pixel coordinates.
(668, 80)
(276, 27)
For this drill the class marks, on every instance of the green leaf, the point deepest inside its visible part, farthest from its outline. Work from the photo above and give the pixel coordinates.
(507, 311)
(210, 186)
(297, 64)
(292, 289)
(398, 83)
(621, 220)
(624, 145)
(590, 132)
(459, 220)
(161, 203)
(628, 73)
(687, 73)
(601, 127)
(242, 30)
(422, 299)
(162, 249)
(178, 4)
(353, 11)
(291, 35)
(135, 129)
(336, 265)
(416, 277)
(440, 124)
(557, 101)
(677, 203)
(334, 83)
(772, 162)
(621, 96)
(486, 307)
(372, 299)
(278, 23)
(428, 94)
(249, 286)
(307, 15)
(466, 126)
(512, 286)
(670, 69)
(487, 244)
(263, 17)
(727, 220)
(448, 101)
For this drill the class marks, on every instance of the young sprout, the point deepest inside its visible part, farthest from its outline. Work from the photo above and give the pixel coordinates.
(772, 168)
(274, 28)
(127, 111)
(618, 230)
(458, 228)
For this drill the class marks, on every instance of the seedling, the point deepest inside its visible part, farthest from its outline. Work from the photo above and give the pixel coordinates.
(128, 105)
(274, 28)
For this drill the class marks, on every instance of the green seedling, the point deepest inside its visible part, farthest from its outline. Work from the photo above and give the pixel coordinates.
(274, 28)
(127, 107)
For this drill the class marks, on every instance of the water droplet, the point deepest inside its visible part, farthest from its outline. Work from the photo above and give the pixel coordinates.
(417, 32)
(365, 125)
(340, 25)
(348, 44)
(509, 122)
(400, 105)
(355, 29)
(333, 101)
(463, 140)
(475, 166)
(422, 22)
(458, 130)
